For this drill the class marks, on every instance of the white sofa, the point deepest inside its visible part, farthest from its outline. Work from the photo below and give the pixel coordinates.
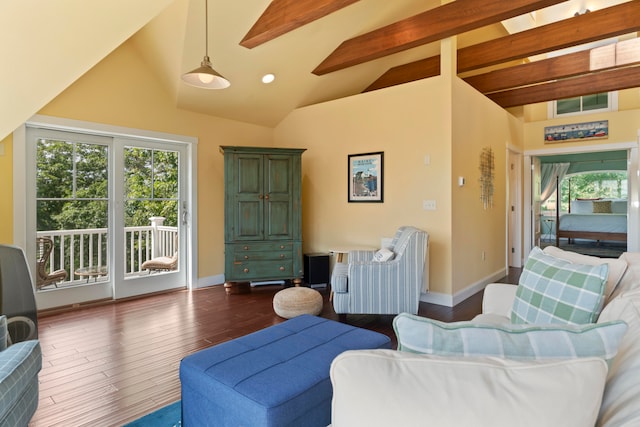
(375, 387)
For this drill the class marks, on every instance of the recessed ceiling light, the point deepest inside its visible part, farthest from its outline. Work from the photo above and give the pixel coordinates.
(268, 78)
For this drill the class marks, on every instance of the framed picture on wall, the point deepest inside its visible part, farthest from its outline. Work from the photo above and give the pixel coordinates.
(366, 177)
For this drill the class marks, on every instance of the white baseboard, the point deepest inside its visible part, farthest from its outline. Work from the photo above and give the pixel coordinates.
(453, 300)
(205, 282)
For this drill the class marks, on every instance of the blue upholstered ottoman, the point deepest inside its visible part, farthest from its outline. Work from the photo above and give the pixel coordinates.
(278, 376)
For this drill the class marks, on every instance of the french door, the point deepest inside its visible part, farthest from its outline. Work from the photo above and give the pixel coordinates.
(112, 209)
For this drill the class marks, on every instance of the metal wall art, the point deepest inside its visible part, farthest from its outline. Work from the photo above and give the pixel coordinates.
(487, 171)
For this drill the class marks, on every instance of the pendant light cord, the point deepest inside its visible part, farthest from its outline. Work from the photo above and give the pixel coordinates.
(206, 27)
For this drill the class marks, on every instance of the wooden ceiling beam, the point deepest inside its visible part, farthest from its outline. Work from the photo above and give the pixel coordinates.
(433, 25)
(601, 24)
(621, 19)
(600, 58)
(605, 81)
(425, 68)
(282, 16)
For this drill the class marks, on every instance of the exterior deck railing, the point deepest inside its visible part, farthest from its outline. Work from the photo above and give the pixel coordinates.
(80, 249)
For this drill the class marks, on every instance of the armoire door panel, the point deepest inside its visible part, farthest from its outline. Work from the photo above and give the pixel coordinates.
(248, 224)
(249, 174)
(278, 220)
(278, 175)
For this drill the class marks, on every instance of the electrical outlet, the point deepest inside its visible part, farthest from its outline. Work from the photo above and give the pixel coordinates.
(429, 205)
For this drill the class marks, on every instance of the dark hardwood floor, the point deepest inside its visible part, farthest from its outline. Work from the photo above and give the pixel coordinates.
(109, 364)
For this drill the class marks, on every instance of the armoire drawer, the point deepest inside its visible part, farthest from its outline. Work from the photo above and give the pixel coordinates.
(261, 251)
(262, 269)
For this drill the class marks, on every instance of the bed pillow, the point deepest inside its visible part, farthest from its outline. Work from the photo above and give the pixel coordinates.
(582, 206)
(552, 290)
(619, 206)
(602, 206)
(519, 342)
(617, 266)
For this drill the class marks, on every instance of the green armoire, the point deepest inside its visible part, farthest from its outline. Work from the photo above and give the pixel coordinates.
(262, 214)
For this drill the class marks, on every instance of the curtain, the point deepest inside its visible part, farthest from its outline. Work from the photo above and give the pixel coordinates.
(549, 172)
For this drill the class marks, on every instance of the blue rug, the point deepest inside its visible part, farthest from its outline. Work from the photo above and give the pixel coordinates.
(168, 416)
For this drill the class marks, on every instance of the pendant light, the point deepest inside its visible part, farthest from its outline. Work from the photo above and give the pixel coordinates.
(205, 76)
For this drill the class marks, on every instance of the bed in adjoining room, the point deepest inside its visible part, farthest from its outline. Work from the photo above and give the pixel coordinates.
(593, 219)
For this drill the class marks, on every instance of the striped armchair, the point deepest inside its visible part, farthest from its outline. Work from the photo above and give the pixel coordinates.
(365, 286)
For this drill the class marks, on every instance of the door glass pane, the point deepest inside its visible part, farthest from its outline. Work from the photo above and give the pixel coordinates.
(72, 186)
(150, 210)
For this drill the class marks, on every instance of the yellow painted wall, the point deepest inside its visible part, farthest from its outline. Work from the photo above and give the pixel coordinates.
(623, 127)
(69, 36)
(404, 123)
(478, 123)
(623, 124)
(6, 191)
(122, 91)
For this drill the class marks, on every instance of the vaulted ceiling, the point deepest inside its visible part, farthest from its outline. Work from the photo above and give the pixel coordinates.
(516, 52)
(326, 49)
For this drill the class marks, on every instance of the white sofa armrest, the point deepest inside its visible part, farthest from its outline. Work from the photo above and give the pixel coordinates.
(498, 299)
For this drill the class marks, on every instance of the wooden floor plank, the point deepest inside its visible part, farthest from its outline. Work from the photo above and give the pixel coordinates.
(109, 364)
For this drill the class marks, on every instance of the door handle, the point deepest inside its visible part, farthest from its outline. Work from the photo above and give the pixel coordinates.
(185, 214)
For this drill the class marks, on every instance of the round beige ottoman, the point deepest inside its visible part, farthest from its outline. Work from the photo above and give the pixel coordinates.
(292, 302)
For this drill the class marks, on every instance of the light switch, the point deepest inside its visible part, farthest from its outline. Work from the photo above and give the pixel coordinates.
(429, 205)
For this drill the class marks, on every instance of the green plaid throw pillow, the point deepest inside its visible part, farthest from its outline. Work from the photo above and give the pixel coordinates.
(552, 290)
(520, 342)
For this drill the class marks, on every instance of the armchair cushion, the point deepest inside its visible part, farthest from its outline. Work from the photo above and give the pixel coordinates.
(391, 388)
(498, 299)
(19, 367)
(552, 290)
(522, 342)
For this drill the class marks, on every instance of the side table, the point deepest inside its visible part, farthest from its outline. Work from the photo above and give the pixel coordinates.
(93, 271)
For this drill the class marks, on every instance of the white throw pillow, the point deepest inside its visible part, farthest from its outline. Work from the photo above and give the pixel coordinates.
(392, 388)
(383, 255)
(617, 266)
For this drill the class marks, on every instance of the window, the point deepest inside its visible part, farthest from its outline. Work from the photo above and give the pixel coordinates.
(599, 102)
(589, 185)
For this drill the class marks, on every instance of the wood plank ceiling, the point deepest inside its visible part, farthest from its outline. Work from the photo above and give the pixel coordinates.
(613, 67)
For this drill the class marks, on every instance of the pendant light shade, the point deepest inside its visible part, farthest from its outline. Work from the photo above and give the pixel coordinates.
(205, 76)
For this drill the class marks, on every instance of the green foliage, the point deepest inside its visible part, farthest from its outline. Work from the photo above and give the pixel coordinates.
(73, 185)
(594, 185)
(151, 186)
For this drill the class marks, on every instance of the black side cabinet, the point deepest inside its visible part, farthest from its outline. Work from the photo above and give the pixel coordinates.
(316, 270)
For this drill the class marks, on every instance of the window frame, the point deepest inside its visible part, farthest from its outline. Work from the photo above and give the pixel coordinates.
(612, 101)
